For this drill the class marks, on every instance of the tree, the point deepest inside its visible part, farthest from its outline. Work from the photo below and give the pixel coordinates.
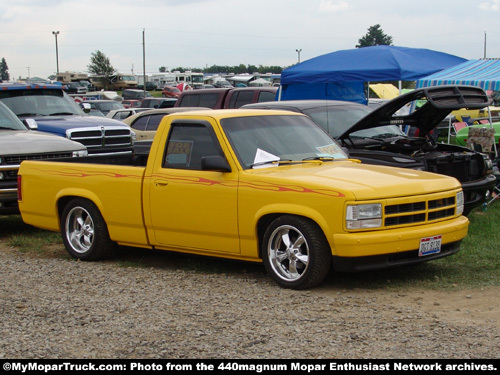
(4, 71)
(374, 37)
(101, 66)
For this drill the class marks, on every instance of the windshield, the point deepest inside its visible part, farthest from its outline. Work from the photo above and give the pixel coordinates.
(197, 79)
(8, 120)
(127, 78)
(261, 140)
(337, 119)
(386, 131)
(43, 102)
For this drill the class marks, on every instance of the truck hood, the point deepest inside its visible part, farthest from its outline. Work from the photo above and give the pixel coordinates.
(22, 142)
(59, 124)
(363, 181)
(438, 102)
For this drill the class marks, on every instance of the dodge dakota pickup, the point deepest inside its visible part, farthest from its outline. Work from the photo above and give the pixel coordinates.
(253, 185)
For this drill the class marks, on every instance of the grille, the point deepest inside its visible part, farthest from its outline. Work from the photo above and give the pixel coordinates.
(101, 137)
(11, 166)
(17, 159)
(420, 211)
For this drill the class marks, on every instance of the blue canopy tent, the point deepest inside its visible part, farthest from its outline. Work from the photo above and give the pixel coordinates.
(484, 73)
(342, 74)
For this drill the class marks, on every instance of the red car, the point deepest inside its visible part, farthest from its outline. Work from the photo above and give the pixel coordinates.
(170, 92)
(131, 103)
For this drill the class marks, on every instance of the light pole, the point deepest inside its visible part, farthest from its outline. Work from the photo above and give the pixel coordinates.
(56, 33)
(298, 52)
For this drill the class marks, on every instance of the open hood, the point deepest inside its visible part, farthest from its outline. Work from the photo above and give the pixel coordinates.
(437, 103)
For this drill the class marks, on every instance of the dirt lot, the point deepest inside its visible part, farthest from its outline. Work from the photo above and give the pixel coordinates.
(54, 307)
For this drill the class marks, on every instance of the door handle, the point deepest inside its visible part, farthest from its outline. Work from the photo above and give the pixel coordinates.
(161, 183)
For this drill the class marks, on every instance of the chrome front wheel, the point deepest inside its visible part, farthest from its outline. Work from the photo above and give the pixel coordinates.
(288, 253)
(295, 252)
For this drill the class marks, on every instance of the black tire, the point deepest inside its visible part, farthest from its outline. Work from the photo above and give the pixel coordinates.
(295, 252)
(84, 231)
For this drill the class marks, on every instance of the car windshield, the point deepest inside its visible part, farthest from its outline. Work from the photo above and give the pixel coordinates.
(263, 140)
(43, 102)
(337, 119)
(386, 131)
(8, 120)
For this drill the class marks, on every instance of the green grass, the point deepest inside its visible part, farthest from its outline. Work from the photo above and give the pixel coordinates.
(477, 265)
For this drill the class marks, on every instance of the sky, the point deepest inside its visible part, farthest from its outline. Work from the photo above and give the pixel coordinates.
(200, 33)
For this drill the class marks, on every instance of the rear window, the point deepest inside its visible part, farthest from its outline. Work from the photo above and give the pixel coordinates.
(208, 100)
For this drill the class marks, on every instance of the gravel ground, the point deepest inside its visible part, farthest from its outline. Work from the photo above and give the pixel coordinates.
(53, 307)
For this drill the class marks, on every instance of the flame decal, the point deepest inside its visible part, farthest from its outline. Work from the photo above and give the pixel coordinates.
(196, 180)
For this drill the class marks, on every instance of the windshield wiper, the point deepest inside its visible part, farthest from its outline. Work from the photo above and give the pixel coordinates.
(269, 162)
(61, 113)
(321, 158)
(28, 114)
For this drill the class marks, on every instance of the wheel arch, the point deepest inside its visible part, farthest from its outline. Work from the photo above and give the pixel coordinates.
(65, 196)
(265, 220)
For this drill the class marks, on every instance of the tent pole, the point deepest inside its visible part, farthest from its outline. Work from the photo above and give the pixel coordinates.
(491, 126)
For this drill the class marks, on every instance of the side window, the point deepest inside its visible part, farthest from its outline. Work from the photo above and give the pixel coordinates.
(140, 123)
(187, 144)
(266, 96)
(190, 100)
(154, 121)
(244, 97)
(209, 100)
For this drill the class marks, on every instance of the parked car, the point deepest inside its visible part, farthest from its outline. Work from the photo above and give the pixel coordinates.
(123, 113)
(150, 86)
(145, 123)
(17, 143)
(104, 106)
(131, 103)
(222, 84)
(74, 88)
(158, 102)
(170, 92)
(135, 94)
(375, 137)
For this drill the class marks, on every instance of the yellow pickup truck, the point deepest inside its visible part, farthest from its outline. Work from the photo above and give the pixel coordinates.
(254, 185)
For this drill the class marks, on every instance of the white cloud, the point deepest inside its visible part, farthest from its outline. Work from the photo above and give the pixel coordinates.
(329, 6)
(492, 5)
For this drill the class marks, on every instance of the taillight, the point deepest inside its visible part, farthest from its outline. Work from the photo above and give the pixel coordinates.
(19, 192)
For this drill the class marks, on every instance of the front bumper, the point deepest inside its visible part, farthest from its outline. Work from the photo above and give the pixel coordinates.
(476, 192)
(394, 247)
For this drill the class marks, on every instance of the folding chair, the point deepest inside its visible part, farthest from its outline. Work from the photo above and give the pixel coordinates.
(459, 125)
(481, 139)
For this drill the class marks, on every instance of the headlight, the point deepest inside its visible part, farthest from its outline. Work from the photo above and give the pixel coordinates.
(77, 154)
(460, 202)
(364, 216)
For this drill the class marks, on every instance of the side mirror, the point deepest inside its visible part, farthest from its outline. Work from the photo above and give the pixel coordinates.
(31, 123)
(85, 107)
(215, 163)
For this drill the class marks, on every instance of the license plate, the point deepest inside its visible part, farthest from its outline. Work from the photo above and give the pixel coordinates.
(429, 245)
